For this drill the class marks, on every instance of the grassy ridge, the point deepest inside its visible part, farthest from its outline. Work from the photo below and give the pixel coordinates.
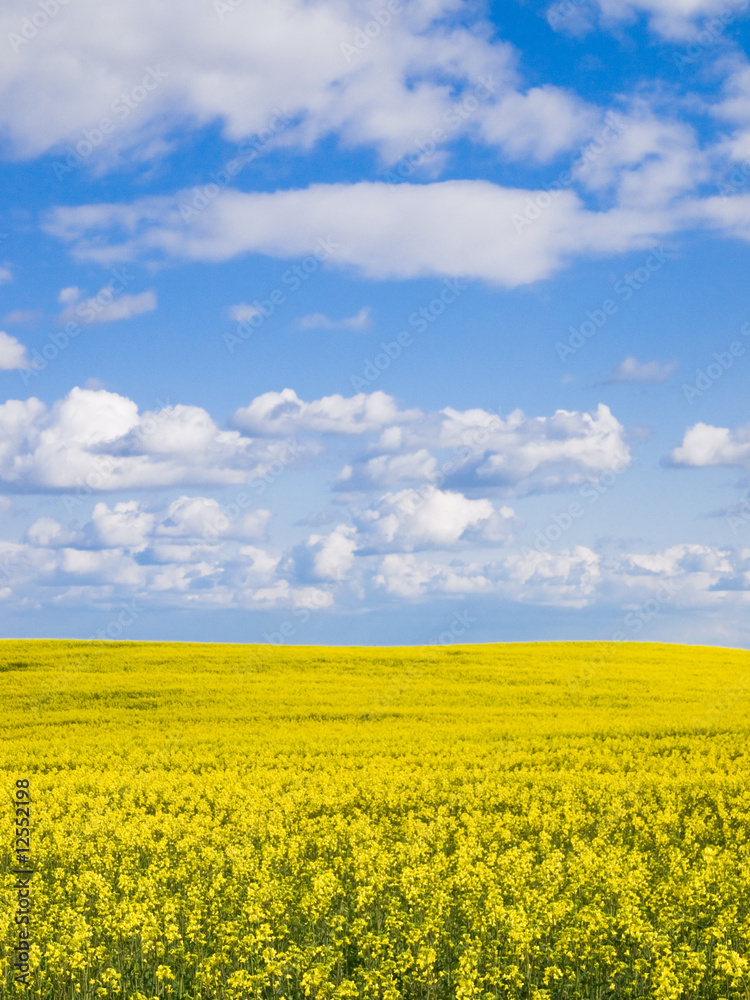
(523, 820)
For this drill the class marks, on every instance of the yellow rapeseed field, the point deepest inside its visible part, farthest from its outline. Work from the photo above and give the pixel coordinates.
(530, 821)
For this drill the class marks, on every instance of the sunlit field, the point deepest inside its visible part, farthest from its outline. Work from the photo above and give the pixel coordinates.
(526, 820)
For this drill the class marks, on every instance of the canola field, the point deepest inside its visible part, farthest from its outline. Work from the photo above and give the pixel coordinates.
(526, 821)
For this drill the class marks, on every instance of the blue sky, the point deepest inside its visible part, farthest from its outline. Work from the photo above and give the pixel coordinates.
(375, 323)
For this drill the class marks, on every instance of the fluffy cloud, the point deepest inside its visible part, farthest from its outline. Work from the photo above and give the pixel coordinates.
(411, 520)
(97, 440)
(6, 275)
(704, 445)
(639, 586)
(326, 557)
(165, 557)
(475, 448)
(12, 353)
(204, 518)
(651, 162)
(284, 413)
(524, 453)
(289, 73)
(190, 553)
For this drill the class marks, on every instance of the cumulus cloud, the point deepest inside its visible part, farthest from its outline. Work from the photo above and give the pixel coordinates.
(98, 440)
(205, 518)
(704, 444)
(413, 520)
(524, 454)
(325, 557)
(191, 553)
(12, 353)
(319, 321)
(129, 550)
(641, 585)
(284, 413)
(633, 370)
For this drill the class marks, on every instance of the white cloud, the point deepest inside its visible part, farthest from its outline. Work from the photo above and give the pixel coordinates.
(642, 586)
(539, 124)
(284, 413)
(388, 470)
(326, 557)
(411, 520)
(206, 519)
(469, 228)
(565, 579)
(704, 445)
(633, 370)
(675, 20)
(533, 453)
(413, 578)
(281, 67)
(651, 162)
(97, 440)
(123, 526)
(105, 306)
(47, 533)
(12, 353)
(161, 555)
(319, 321)
(6, 275)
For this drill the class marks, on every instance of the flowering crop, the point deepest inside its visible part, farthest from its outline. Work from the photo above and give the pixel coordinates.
(526, 821)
